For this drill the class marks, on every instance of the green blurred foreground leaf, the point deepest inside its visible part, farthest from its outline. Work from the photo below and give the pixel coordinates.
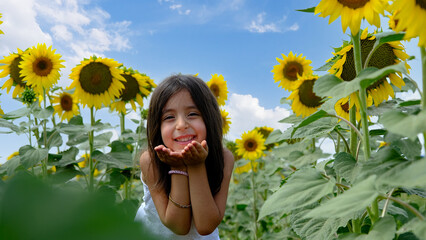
(32, 209)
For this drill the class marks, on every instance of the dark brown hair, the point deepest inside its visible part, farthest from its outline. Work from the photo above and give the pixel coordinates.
(209, 109)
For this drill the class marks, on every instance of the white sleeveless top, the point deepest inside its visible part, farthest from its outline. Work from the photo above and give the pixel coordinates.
(147, 214)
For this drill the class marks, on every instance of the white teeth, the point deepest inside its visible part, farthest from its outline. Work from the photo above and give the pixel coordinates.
(184, 139)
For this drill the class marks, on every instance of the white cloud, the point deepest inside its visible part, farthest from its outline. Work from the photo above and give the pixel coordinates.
(20, 27)
(246, 113)
(61, 32)
(75, 29)
(294, 27)
(258, 25)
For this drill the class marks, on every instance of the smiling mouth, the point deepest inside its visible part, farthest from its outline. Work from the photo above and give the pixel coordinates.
(185, 139)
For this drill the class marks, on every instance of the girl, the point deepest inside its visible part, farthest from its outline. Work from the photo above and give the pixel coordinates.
(186, 170)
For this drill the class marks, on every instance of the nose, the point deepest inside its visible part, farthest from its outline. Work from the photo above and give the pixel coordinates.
(181, 123)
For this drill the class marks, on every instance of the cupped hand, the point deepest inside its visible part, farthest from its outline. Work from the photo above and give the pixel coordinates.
(195, 153)
(169, 157)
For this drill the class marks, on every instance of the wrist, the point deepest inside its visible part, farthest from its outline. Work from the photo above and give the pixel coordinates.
(179, 168)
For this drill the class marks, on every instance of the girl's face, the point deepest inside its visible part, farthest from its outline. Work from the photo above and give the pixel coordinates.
(181, 122)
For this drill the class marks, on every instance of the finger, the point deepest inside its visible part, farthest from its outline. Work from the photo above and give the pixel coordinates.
(204, 144)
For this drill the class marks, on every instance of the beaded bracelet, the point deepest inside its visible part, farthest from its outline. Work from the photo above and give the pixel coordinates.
(178, 204)
(178, 172)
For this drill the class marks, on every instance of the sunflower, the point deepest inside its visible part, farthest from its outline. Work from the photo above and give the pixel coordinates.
(85, 162)
(392, 20)
(289, 69)
(411, 18)
(40, 67)
(65, 105)
(342, 109)
(265, 131)
(352, 12)
(11, 67)
(246, 167)
(225, 121)
(1, 32)
(12, 155)
(387, 54)
(97, 81)
(1, 112)
(305, 102)
(218, 86)
(135, 89)
(251, 145)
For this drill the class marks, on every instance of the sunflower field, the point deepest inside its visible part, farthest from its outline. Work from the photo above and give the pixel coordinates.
(283, 186)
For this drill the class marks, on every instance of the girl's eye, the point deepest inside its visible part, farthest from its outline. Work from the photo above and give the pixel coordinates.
(167, 117)
(193, 114)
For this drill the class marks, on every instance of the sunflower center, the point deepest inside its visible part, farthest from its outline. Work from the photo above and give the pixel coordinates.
(250, 145)
(66, 103)
(382, 57)
(345, 107)
(291, 70)
(215, 89)
(131, 88)
(421, 3)
(307, 96)
(42, 66)
(14, 71)
(95, 78)
(354, 4)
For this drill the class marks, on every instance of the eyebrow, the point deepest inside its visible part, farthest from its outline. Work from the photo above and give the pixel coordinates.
(189, 107)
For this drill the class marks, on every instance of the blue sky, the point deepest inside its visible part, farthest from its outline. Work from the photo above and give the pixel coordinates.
(239, 39)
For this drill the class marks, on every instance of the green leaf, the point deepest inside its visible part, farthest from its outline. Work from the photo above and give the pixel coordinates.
(22, 112)
(331, 86)
(116, 160)
(385, 37)
(31, 156)
(10, 166)
(54, 139)
(68, 157)
(319, 127)
(99, 141)
(350, 203)
(291, 119)
(312, 118)
(63, 175)
(6, 124)
(383, 229)
(304, 187)
(43, 113)
(300, 159)
(407, 147)
(385, 161)
(417, 226)
(404, 124)
(315, 228)
(344, 164)
(273, 137)
(308, 10)
(410, 175)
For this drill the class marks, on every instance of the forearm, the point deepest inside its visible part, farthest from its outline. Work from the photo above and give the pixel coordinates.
(178, 219)
(205, 212)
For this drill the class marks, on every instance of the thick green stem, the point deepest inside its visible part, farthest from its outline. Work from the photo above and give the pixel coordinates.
(362, 95)
(44, 162)
(253, 183)
(356, 225)
(405, 205)
(29, 129)
(122, 126)
(91, 139)
(423, 58)
(353, 137)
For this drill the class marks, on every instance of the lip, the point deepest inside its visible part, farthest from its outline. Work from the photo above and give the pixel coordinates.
(185, 139)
